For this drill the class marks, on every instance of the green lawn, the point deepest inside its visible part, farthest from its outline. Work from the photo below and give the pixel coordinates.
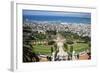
(79, 47)
(42, 49)
(46, 49)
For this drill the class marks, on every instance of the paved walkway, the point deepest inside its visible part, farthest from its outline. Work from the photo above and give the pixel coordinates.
(83, 57)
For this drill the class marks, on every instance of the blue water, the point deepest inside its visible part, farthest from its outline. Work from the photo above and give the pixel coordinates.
(57, 18)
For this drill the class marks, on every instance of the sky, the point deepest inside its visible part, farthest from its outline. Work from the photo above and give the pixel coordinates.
(56, 13)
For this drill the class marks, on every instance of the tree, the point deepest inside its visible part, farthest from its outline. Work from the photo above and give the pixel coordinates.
(71, 48)
(51, 50)
(28, 55)
(70, 42)
(71, 51)
(66, 47)
(55, 46)
(86, 39)
(51, 42)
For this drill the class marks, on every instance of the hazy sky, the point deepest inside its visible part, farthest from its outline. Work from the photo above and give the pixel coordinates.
(56, 13)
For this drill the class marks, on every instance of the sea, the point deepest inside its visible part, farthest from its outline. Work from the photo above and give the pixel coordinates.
(31, 18)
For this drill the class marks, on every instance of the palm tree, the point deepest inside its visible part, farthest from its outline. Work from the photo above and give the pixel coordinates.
(66, 47)
(28, 54)
(71, 51)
